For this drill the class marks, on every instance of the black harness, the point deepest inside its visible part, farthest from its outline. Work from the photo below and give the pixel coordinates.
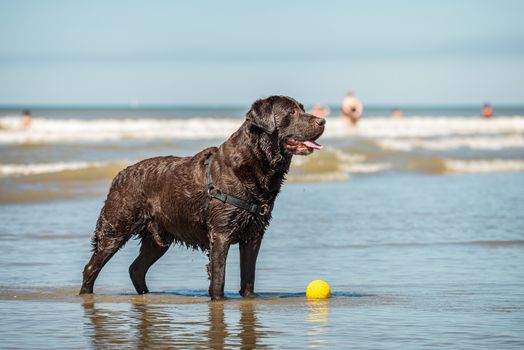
(212, 192)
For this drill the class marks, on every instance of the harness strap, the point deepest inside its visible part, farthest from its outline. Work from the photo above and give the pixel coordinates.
(261, 209)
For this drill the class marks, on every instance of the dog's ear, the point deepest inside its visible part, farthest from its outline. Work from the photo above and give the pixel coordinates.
(261, 115)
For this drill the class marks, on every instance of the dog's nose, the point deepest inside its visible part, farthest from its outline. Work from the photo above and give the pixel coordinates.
(320, 121)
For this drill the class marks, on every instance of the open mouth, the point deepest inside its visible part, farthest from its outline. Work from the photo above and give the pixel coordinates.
(302, 147)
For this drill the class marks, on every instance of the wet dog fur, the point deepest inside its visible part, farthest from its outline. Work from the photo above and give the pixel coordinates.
(162, 200)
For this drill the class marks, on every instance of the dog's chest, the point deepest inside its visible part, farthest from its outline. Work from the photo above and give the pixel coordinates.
(246, 227)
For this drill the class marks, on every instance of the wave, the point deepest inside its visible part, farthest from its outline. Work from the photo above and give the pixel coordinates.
(21, 183)
(63, 180)
(325, 166)
(61, 168)
(31, 169)
(75, 130)
(34, 195)
(484, 166)
(44, 130)
(444, 144)
(439, 127)
(434, 165)
(332, 165)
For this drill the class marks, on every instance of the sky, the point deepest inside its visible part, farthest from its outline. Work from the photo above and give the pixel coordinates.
(232, 52)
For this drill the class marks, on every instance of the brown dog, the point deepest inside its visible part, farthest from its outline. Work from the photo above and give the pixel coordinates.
(220, 196)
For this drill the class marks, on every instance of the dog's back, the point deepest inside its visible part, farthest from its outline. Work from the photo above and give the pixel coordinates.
(160, 196)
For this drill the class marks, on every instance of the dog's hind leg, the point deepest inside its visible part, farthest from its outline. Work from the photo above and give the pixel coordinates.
(107, 248)
(108, 239)
(150, 252)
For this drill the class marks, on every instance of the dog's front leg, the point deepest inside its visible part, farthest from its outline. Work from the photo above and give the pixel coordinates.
(248, 259)
(217, 266)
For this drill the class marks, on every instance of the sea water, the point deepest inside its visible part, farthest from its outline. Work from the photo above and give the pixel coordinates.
(417, 224)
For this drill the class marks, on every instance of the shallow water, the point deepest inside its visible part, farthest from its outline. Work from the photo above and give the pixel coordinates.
(418, 254)
(438, 265)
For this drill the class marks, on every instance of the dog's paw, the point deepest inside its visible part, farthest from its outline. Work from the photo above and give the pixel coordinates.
(249, 295)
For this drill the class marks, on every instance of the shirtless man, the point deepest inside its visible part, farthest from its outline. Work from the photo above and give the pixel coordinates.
(351, 108)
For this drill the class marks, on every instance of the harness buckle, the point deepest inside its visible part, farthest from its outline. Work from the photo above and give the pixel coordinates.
(264, 209)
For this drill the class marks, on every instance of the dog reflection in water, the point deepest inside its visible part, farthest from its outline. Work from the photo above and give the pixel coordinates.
(143, 326)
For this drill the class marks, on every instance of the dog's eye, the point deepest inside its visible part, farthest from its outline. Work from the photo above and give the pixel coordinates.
(293, 112)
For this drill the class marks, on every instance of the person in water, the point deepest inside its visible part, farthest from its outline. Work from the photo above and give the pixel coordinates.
(351, 108)
(26, 118)
(487, 111)
(320, 111)
(396, 113)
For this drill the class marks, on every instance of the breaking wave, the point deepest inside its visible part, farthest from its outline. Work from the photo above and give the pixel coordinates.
(75, 130)
(31, 169)
(42, 182)
(443, 144)
(332, 165)
(77, 170)
(320, 167)
(62, 180)
(425, 127)
(484, 166)
(44, 130)
(323, 166)
(434, 165)
(431, 145)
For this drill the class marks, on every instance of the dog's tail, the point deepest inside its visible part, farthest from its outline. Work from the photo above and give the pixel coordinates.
(96, 235)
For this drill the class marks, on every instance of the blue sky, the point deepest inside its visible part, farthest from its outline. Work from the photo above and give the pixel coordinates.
(232, 52)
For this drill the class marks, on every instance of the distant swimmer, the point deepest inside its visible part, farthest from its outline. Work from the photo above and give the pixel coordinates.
(26, 118)
(351, 108)
(320, 111)
(396, 113)
(487, 111)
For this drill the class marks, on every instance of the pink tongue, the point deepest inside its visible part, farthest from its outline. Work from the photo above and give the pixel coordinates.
(312, 144)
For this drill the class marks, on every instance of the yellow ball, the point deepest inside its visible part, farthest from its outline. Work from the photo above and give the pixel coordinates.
(318, 289)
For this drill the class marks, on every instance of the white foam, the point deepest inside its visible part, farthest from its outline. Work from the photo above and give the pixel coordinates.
(484, 166)
(337, 155)
(74, 130)
(346, 163)
(335, 176)
(442, 144)
(46, 168)
(366, 167)
(356, 163)
(424, 127)
(44, 130)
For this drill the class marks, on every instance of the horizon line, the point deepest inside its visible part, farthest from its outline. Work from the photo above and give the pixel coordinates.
(235, 105)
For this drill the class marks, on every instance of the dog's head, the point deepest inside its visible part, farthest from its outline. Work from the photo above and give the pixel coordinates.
(296, 130)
